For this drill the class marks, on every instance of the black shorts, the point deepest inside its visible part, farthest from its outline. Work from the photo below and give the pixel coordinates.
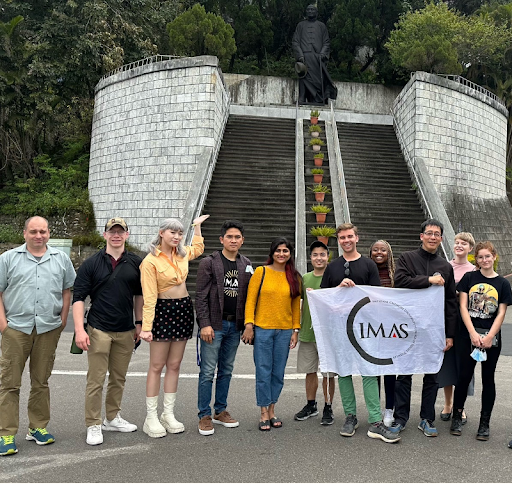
(174, 319)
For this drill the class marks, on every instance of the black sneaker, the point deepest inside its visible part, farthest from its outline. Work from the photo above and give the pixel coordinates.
(306, 412)
(378, 430)
(351, 424)
(327, 416)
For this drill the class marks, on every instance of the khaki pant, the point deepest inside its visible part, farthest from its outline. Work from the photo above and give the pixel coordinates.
(16, 349)
(108, 351)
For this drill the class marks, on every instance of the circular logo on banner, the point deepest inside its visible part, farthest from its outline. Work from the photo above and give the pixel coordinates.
(380, 331)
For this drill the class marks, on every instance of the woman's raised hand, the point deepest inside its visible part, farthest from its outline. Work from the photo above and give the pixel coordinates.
(200, 220)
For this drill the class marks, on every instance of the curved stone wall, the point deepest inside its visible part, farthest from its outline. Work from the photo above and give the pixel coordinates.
(461, 135)
(153, 127)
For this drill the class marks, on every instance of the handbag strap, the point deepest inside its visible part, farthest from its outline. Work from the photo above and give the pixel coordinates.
(259, 291)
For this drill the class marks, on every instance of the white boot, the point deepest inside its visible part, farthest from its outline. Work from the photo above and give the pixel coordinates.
(167, 419)
(152, 426)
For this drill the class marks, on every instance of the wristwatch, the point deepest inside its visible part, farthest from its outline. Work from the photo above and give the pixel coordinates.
(296, 330)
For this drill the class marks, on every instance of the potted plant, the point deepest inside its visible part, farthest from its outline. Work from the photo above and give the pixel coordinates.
(321, 212)
(322, 233)
(313, 116)
(318, 158)
(318, 175)
(320, 190)
(315, 130)
(316, 144)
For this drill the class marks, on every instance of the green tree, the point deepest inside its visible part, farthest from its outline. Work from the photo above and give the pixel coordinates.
(196, 32)
(253, 33)
(441, 40)
(426, 40)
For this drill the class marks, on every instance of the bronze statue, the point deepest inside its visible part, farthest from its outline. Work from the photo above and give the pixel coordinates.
(311, 47)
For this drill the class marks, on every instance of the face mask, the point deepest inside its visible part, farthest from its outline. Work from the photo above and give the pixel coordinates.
(479, 354)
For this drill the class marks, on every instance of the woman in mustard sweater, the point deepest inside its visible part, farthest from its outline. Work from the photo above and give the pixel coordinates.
(272, 321)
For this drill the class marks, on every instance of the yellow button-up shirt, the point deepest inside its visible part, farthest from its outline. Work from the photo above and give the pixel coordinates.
(158, 273)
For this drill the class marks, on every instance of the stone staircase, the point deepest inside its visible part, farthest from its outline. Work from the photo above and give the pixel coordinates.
(254, 182)
(381, 196)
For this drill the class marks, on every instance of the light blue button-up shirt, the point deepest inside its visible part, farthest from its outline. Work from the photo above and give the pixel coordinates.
(32, 289)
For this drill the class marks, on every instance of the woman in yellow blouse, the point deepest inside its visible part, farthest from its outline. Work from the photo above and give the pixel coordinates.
(272, 320)
(168, 317)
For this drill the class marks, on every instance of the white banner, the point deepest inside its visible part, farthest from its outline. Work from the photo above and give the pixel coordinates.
(367, 330)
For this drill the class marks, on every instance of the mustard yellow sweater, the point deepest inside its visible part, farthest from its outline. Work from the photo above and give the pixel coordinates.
(275, 309)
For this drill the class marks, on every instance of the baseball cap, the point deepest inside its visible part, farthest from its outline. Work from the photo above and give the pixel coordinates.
(116, 221)
(317, 243)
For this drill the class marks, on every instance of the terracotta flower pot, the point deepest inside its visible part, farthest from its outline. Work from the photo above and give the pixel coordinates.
(316, 147)
(318, 178)
(313, 120)
(319, 196)
(325, 240)
(318, 161)
(315, 134)
(320, 218)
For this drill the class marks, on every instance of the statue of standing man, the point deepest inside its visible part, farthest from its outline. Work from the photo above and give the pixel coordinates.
(311, 46)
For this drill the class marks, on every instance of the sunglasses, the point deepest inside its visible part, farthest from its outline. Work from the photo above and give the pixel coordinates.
(347, 269)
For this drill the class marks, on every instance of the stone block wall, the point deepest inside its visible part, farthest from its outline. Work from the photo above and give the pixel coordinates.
(460, 134)
(354, 97)
(152, 125)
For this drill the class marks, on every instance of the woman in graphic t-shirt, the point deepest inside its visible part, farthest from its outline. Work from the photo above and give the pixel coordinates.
(484, 297)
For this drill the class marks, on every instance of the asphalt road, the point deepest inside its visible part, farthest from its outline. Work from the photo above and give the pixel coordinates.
(299, 452)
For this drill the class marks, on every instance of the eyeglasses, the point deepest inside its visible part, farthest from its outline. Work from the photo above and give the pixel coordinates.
(115, 232)
(437, 235)
(484, 257)
(347, 269)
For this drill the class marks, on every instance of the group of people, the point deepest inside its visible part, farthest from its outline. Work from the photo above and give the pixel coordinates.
(233, 303)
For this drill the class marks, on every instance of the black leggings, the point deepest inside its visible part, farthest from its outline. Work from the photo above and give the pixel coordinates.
(389, 388)
(466, 369)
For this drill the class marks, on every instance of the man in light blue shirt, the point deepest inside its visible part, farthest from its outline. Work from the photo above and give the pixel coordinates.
(35, 296)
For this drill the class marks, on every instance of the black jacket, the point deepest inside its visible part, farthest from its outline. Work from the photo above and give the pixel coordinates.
(412, 272)
(112, 308)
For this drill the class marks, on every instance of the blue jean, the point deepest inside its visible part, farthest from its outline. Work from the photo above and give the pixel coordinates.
(271, 348)
(220, 353)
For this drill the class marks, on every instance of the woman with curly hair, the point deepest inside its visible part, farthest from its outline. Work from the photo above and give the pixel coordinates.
(382, 254)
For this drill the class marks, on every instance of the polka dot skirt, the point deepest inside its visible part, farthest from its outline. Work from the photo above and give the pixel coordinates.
(174, 319)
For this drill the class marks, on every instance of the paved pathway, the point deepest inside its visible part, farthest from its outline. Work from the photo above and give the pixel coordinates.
(299, 452)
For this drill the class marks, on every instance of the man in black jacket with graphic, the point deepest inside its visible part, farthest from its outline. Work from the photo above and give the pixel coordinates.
(111, 278)
(419, 269)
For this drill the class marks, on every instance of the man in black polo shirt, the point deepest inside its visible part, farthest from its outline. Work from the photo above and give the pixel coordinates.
(112, 279)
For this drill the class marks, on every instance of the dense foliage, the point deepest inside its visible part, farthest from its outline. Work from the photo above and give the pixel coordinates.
(53, 53)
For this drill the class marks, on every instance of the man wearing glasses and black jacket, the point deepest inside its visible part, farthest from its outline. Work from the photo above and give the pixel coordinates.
(419, 269)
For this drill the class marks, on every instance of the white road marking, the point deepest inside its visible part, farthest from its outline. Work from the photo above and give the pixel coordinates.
(191, 376)
(27, 465)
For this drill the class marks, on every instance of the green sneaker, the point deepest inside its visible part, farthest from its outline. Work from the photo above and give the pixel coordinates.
(41, 436)
(7, 445)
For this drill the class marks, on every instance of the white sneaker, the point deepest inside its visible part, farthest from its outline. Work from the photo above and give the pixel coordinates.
(388, 417)
(118, 424)
(94, 435)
